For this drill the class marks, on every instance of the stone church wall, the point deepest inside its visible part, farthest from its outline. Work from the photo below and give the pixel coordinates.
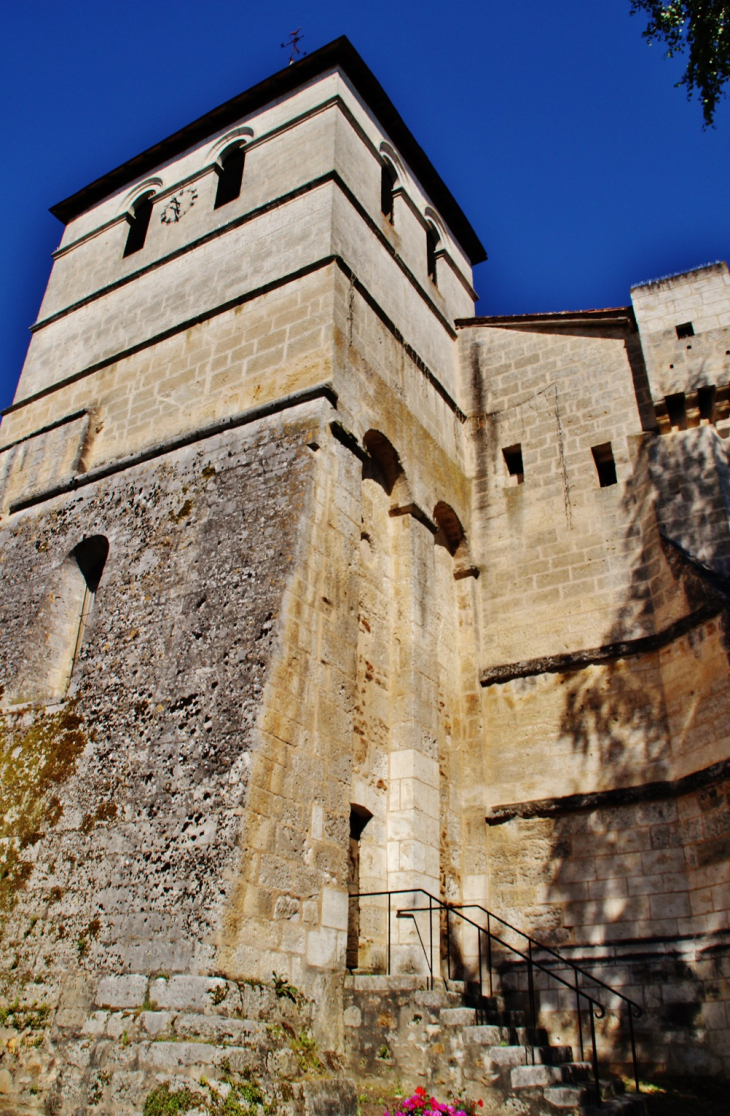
(392, 598)
(123, 803)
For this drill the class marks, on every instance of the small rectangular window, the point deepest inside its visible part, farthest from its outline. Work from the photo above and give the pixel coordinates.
(686, 329)
(605, 464)
(513, 460)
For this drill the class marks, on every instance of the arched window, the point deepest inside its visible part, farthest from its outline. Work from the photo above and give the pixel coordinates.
(139, 220)
(432, 239)
(359, 818)
(230, 176)
(75, 589)
(61, 623)
(90, 557)
(388, 179)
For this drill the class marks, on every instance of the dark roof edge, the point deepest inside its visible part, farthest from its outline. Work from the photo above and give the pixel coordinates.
(560, 317)
(340, 53)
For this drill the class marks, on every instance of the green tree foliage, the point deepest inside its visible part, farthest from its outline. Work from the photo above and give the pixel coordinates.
(701, 28)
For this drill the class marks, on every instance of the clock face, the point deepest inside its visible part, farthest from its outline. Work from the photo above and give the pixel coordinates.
(178, 206)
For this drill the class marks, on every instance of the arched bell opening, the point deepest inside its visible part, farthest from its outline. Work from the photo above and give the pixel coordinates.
(452, 537)
(383, 465)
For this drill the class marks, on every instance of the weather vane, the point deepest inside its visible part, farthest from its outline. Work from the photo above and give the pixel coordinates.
(294, 39)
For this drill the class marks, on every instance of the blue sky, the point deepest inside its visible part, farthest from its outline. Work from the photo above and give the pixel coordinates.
(555, 125)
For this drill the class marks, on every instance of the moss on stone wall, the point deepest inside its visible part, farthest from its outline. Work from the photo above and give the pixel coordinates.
(38, 753)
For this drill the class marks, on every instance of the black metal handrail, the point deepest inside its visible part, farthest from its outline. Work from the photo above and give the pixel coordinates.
(596, 1008)
(634, 1011)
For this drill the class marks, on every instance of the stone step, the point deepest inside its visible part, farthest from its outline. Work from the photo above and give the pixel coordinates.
(470, 1016)
(512, 1055)
(580, 1097)
(458, 1017)
(379, 982)
(569, 1097)
(542, 1076)
(627, 1105)
(490, 1034)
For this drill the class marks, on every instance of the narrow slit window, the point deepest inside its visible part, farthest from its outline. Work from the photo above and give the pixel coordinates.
(359, 818)
(387, 185)
(432, 239)
(677, 410)
(230, 177)
(139, 222)
(90, 556)
(513, 460)
(64, 620)
(605, 464)
(686, 329)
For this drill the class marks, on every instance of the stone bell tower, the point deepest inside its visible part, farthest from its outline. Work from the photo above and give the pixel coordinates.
(321, 596)
(238, 588)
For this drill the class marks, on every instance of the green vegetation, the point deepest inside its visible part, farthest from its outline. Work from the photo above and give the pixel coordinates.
(218, 994)
(243, 1098)
(29, 1018)
(161, 1102)
(701, 28)
(680, 1096)
(34, 762)
(284, 990)
(305, 1051)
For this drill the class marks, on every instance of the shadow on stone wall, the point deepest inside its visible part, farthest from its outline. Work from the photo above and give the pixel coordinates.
(625, 895)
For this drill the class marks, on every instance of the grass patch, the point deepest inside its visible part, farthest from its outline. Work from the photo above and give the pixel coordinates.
(243, 1098)
(161, 1102)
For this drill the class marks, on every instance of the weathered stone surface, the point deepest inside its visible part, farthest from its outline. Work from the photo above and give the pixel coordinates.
(304, 573)
(329, 1098)
(121, 991)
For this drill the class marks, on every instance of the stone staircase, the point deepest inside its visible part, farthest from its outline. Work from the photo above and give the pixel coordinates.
(454, 1041)
(195, 1044)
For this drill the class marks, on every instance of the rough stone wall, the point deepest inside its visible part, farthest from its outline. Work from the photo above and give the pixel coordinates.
(122, 804)
(619, 870)
(354, 604)
(289, 906)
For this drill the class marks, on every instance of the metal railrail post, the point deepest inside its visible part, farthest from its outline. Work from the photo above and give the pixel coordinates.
(489, 955)
(633, 1048)
(448, 946)
(530, 978)
(599, 1102)
(430, 937)
(388, 933)
(479, 953)
(580, 1024)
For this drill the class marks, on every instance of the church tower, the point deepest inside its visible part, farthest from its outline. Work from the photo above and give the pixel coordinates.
(335, 617)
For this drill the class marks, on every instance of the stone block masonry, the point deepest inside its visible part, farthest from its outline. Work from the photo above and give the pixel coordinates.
(313, 589)
(148, 759)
